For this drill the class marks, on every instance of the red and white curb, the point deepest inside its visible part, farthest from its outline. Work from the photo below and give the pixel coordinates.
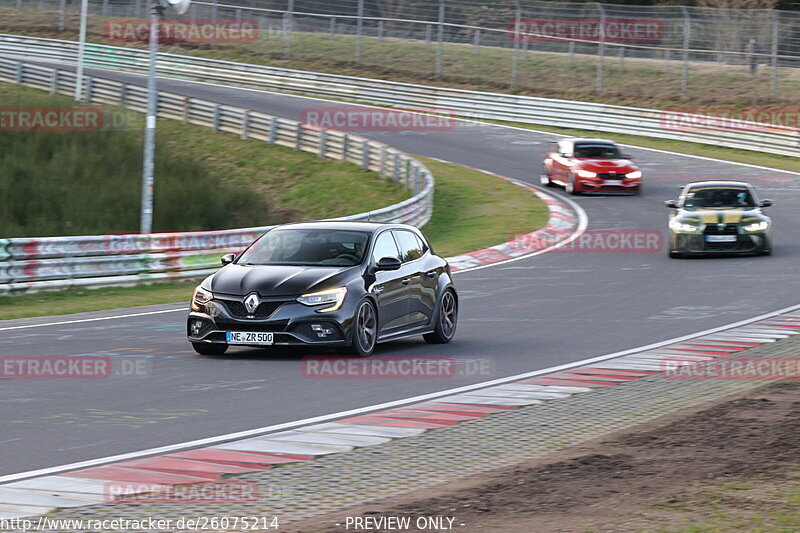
(564, 222)
(87, 486)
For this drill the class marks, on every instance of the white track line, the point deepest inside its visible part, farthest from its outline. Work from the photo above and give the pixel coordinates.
(333, 416)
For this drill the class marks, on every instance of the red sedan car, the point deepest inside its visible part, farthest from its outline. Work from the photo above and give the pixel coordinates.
(591, 165)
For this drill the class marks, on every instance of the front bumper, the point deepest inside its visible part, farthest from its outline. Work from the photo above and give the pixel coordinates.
(291, 323)
(626, 186)
(695, 244)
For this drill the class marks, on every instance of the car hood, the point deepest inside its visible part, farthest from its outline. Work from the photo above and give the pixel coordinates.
(275, 280)
(738, 215)
(622, 166)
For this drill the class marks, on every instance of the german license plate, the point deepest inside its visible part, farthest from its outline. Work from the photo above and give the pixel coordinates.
(613, 182)
(720, 238)
(248, 337)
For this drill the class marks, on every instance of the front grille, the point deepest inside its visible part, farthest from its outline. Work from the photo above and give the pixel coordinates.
(235, 326)
(264, 309)
(714, 229)
(609, 176)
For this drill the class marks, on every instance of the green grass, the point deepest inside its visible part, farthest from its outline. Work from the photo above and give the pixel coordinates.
(88, 182)
(472, 210)
(756, 506)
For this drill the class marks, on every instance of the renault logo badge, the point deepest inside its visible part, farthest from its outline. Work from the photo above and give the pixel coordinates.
(720, 227)
(251, 303)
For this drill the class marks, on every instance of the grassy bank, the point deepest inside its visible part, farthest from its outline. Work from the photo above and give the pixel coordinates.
(464, 201)
(88, 182)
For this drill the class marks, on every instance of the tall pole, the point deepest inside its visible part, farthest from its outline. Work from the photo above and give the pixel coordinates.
(146, 221)
(81, 51)
(687, 28)
(601, 51)
(440, 39)
(359, 29)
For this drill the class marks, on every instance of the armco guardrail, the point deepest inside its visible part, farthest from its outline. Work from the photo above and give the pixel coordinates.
(689, 127)
(60, 262)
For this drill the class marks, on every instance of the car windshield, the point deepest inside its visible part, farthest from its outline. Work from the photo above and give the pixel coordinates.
(307, 247)
(597, 151)
(718, 197)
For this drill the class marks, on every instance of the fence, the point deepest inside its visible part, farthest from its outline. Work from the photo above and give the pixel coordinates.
(60, 262)
(436, 37)
(743, 134)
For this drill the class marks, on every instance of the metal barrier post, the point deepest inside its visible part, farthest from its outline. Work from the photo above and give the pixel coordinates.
(571, 53)
(601, 51)
(380, 31)
(273, 130)
(515, 52)
(332, 30)
(621, 55)
(396, 167)
(287, 29)
(440, 41)
(365, 155)
(476, 42)
(359, 29)
(54, 82)
(298, 138)
(382, 171)
(215, 120)
(323, 144)
(246, 124)
(428, 32)
(62, 14)
(687, 28)
(345, 146)
(773, 77)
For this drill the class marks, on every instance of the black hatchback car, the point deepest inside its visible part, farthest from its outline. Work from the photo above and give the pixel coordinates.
(340, 284)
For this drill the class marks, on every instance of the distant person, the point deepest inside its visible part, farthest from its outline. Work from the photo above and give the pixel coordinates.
(753, 50)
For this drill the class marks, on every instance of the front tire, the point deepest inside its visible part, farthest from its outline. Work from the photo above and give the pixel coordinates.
(365, 329)
(446, 321)
(544, 179)
(204, 348)
(570, 186)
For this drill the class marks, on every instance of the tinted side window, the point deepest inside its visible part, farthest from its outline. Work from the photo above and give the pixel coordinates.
(410, 248)
(422, 245)
(385, 247)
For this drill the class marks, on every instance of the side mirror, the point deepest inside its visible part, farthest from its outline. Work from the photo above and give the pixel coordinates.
(765, 203)
(388, 263)
(627, 156)
(672, 204)
(227, 259)
(564, 154)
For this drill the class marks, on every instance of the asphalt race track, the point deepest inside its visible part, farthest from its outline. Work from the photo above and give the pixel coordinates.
(531, 314)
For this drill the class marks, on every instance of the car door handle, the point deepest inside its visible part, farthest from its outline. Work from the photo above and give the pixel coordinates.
(406, 281)
(431, 273)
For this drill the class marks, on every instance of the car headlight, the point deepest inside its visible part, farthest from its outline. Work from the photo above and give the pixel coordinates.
(681, 227)
(200, 298)
(757, 226)
(586, 174)
(331, 296)
(636, 174)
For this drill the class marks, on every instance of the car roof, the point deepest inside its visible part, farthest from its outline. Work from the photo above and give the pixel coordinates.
(588, 140)
(353, 225)
(719, 183)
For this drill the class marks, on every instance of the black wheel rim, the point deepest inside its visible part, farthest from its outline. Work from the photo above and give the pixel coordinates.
(365, 327)
(448, 315)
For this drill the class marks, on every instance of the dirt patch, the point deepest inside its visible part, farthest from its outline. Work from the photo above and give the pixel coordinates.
(720, 468)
